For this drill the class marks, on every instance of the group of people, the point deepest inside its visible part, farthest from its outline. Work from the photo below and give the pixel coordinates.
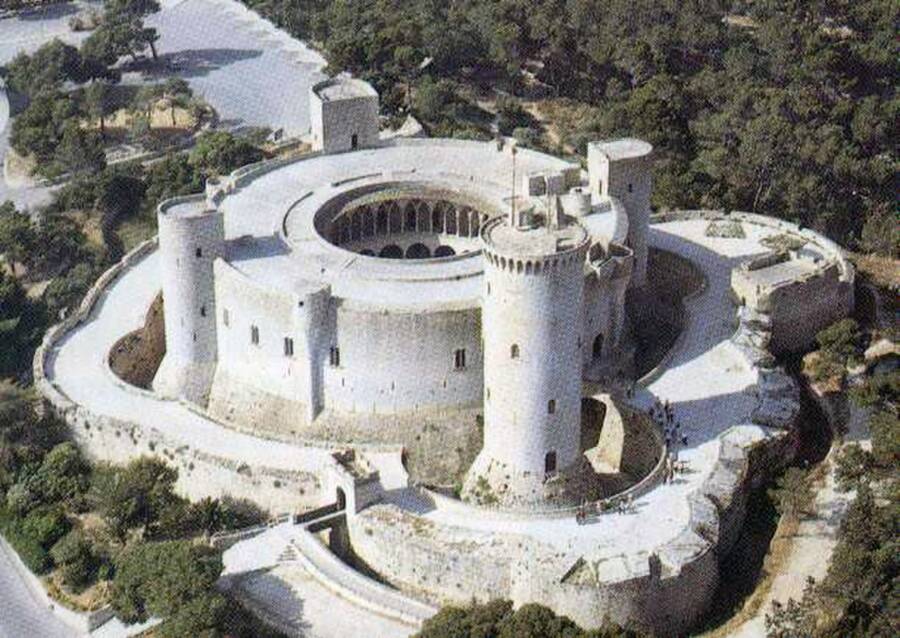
(663, 414)
(621, 505)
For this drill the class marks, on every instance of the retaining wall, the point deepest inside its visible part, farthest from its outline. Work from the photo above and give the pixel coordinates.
(104, 438)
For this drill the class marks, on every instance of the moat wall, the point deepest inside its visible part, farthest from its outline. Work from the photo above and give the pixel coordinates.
(112, 440)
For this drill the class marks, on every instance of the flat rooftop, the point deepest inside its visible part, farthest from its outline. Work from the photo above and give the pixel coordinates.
(343, 89)
(538, 241)
(781, 273)
(274, 215)
(625, 148)
(191, 206)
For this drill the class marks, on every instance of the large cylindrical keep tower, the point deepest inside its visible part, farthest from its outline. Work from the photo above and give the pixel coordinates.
(191, 238)
(531, 324)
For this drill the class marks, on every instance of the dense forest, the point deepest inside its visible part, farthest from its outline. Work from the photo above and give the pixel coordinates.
(785, 107)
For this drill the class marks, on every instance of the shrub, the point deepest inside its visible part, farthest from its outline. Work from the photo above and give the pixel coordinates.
(793, 493)
(137, 495)
(160, 578)
(78, 562)
(46, 525)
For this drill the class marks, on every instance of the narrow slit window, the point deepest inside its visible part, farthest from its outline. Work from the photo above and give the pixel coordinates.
(254, 335)
(288, 347)
(334, 356)
(551, 406)
(459, 359)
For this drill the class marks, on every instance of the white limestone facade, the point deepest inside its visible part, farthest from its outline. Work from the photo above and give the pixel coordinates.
(622, 169)
(191, 238)
(343, 115)
(531, 312)
(394, 295)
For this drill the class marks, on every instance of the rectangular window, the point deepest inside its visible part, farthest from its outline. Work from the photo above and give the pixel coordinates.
(225, 318)
(288, 347)
(459, 359)
(334, 356)
(254, 335)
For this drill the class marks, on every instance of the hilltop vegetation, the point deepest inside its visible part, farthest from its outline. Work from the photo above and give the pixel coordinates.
(779, 107)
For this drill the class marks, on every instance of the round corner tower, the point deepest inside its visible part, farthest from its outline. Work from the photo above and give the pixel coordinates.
(531, 317)
(622, 169)
(191, 238)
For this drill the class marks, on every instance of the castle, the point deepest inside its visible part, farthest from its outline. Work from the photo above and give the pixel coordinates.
(441, 340)
(412, 290)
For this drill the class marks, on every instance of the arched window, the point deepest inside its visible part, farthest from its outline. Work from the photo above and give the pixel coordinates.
(418, 251)
(444, 251)
(514, 351)
(551, 406)
(391, 251)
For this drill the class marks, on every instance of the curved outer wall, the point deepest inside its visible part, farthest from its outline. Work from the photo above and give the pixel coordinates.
(190, 308)
(541, 314)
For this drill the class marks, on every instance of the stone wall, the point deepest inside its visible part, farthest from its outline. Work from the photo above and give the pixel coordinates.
(112, 440)
(797, 309)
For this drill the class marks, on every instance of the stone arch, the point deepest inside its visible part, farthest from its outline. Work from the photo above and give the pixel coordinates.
(418, 251)
(391, 251)
(368, 222)
(437, 218)
(423, 216)
(450, 225)
(409, 216)
(519, 266)
(396, 218)
(368, 252)
(528, 267)
(444, 251)
(475, 223)
(463, 230)
(381, 220)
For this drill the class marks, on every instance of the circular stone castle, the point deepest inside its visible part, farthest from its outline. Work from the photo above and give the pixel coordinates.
(443, 337)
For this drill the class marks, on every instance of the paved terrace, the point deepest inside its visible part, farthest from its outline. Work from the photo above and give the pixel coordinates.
(285, 200)
(712, 389)
(706, 379)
